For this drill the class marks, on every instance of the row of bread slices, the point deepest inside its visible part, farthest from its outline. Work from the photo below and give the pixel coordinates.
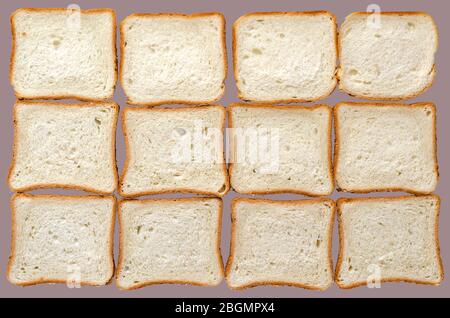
(68, 239)
(273, 149)
(176, 58)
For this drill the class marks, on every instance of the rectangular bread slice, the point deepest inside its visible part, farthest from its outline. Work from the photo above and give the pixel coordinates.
(387, 55)
(278, 149)
(174, 150)
(62, 239)
(285, 56)
(64, 53)
(386, 147)
(388, 239)
(64, 146)
(170, 241)
(173, 58)
(281, 243)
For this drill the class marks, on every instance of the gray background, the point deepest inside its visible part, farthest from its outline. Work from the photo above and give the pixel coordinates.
(438, 93)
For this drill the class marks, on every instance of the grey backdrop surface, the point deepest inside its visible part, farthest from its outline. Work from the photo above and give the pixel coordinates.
(438, 94)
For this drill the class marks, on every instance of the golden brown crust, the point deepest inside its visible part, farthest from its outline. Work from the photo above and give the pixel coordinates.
(178, 15)
(58, 197)
(171, 190)
(341, 201)
(179, 282)
(291, 107)
(277, 202)
(338, 137)
(384, 98)
(64, 186)
(81, 98)
(281, 101)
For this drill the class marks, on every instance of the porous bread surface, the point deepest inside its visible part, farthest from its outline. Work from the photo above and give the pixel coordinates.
(390, 56)
(62, 239)
(173, 150)
(173, 58)
(63, 54)
(386, 147)
(293, 149)
(170, 241)
(285, 56)
(285, 242)
(389, 240)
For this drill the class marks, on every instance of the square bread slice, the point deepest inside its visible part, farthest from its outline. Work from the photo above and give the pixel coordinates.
(281, 243)
(64, 53)
(387, 56)
(388, 239)
(64, 146)
(285, 56)
(173, 58)
(386, 147)
(62, 239)
(278, 149)
(174, 150)
(170, 241)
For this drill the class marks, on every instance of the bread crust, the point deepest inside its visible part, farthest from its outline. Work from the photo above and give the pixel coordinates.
(341, 201)
(282, 101)
(178, 282)
(59, 197)
(171, 190)
(56, 185)
(176, 15)
(291, 107)
(384, 98)
(278, 202)
(78, 97)
(393, 189)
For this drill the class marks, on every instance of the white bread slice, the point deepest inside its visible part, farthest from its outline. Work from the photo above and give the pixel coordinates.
(386, 147)
(64, 53)
(278, 149)
(281, 243)
(62, 239)
(170, 241)
(389, 239)
(285, 56)
(64, 146)
(173, 58)
(174, 150)
(388, 56)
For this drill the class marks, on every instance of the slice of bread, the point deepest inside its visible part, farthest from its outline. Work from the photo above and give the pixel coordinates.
(278, 149)
(281, 243)
(64, 146)
(174, 150)
(64, 53)
(285, 56)
(386, 147)
(173, 58)
(388, 239)
(62, 239)
(170, 241)
(387, 56)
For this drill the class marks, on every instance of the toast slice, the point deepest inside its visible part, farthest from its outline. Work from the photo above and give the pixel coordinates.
(64, 53)
(62, 239)
(285, 56)
(387, 56)
(388, 239)
(281, 243)
(173, 58)
(278, 149)
(174, 150)
(64, 146)
(386, 147)
(170, 241)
